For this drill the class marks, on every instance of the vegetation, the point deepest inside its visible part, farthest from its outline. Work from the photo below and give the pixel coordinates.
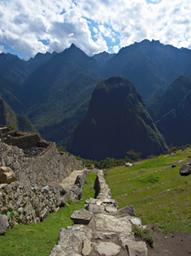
(156, 190)
(105, 163)
(39, 239)
(143, 234)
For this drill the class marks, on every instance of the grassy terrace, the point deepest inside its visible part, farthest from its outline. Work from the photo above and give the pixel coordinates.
(156, 190)
(39, 239)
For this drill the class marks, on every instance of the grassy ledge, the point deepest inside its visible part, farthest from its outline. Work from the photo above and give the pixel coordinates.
(156, 190)
(39, 239)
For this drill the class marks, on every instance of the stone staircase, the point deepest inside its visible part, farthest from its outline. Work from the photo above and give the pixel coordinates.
(100, 229)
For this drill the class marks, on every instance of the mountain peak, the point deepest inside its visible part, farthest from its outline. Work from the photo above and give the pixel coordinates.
(116, 122)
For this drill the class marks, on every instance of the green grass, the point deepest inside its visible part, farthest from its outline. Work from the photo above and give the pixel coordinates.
(39, 239)
(156, 190)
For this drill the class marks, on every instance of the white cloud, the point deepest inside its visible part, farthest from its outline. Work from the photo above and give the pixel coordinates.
(31, 26)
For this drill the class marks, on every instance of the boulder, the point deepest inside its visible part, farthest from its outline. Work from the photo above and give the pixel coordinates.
(128, 210)
(107, 249)
(185, 170)
(137, 248)
(94, 208)
(72, 241)
(6, 175)
(104, 222)
(81, 217)
(136, 221)
(4, 224)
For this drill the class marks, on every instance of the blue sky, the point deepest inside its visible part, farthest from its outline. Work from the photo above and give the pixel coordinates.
(32, 26)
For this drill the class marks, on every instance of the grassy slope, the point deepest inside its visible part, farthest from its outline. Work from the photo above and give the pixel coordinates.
(39, 239)
(156, 190)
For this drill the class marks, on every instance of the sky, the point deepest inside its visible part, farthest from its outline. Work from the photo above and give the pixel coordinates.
(32, 26)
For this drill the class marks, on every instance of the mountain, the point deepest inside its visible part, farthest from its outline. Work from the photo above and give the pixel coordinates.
(150, 65)
(9, 118)
(103, 57)
(116, 122)
(173, 113)
(59, 87)
(54, 89)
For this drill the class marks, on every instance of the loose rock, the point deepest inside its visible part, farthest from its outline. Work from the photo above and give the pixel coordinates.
(4, 224)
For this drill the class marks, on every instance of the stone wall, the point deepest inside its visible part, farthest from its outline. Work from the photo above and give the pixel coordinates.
(27, 206)
(47, 168)
(38, 171)
(100, 230)
(22, 205)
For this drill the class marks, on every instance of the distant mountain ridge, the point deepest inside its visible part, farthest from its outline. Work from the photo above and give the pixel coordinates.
(54, 89)
(173, 116)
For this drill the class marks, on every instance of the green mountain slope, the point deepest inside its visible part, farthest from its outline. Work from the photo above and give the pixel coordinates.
(158, 193)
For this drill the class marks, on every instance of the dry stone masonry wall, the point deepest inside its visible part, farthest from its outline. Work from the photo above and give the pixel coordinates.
(99, 229)
(21, 205)
(46, 168)
(31, 171)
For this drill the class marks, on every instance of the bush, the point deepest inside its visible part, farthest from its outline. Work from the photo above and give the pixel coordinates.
(109, 163)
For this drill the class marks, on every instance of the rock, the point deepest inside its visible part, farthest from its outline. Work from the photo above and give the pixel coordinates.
(129, 210)
(111, 209)
(137, 248)
(44, 214)
(136, 221)
(6, 175)
(72, 240)
(104, 222)
(107, 249)
(57, 251)
(81, 216)
(185, 170)
(128, 164)
(105, 235)
(4, 224)
(87, 248)
(94, 208)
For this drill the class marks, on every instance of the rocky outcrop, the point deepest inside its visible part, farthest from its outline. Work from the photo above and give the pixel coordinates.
(99, 231)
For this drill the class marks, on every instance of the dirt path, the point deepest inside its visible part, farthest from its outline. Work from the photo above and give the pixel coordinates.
(178, 244)
(69, 181)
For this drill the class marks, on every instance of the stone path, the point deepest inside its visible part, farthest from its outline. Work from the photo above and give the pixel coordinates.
(99, 229)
